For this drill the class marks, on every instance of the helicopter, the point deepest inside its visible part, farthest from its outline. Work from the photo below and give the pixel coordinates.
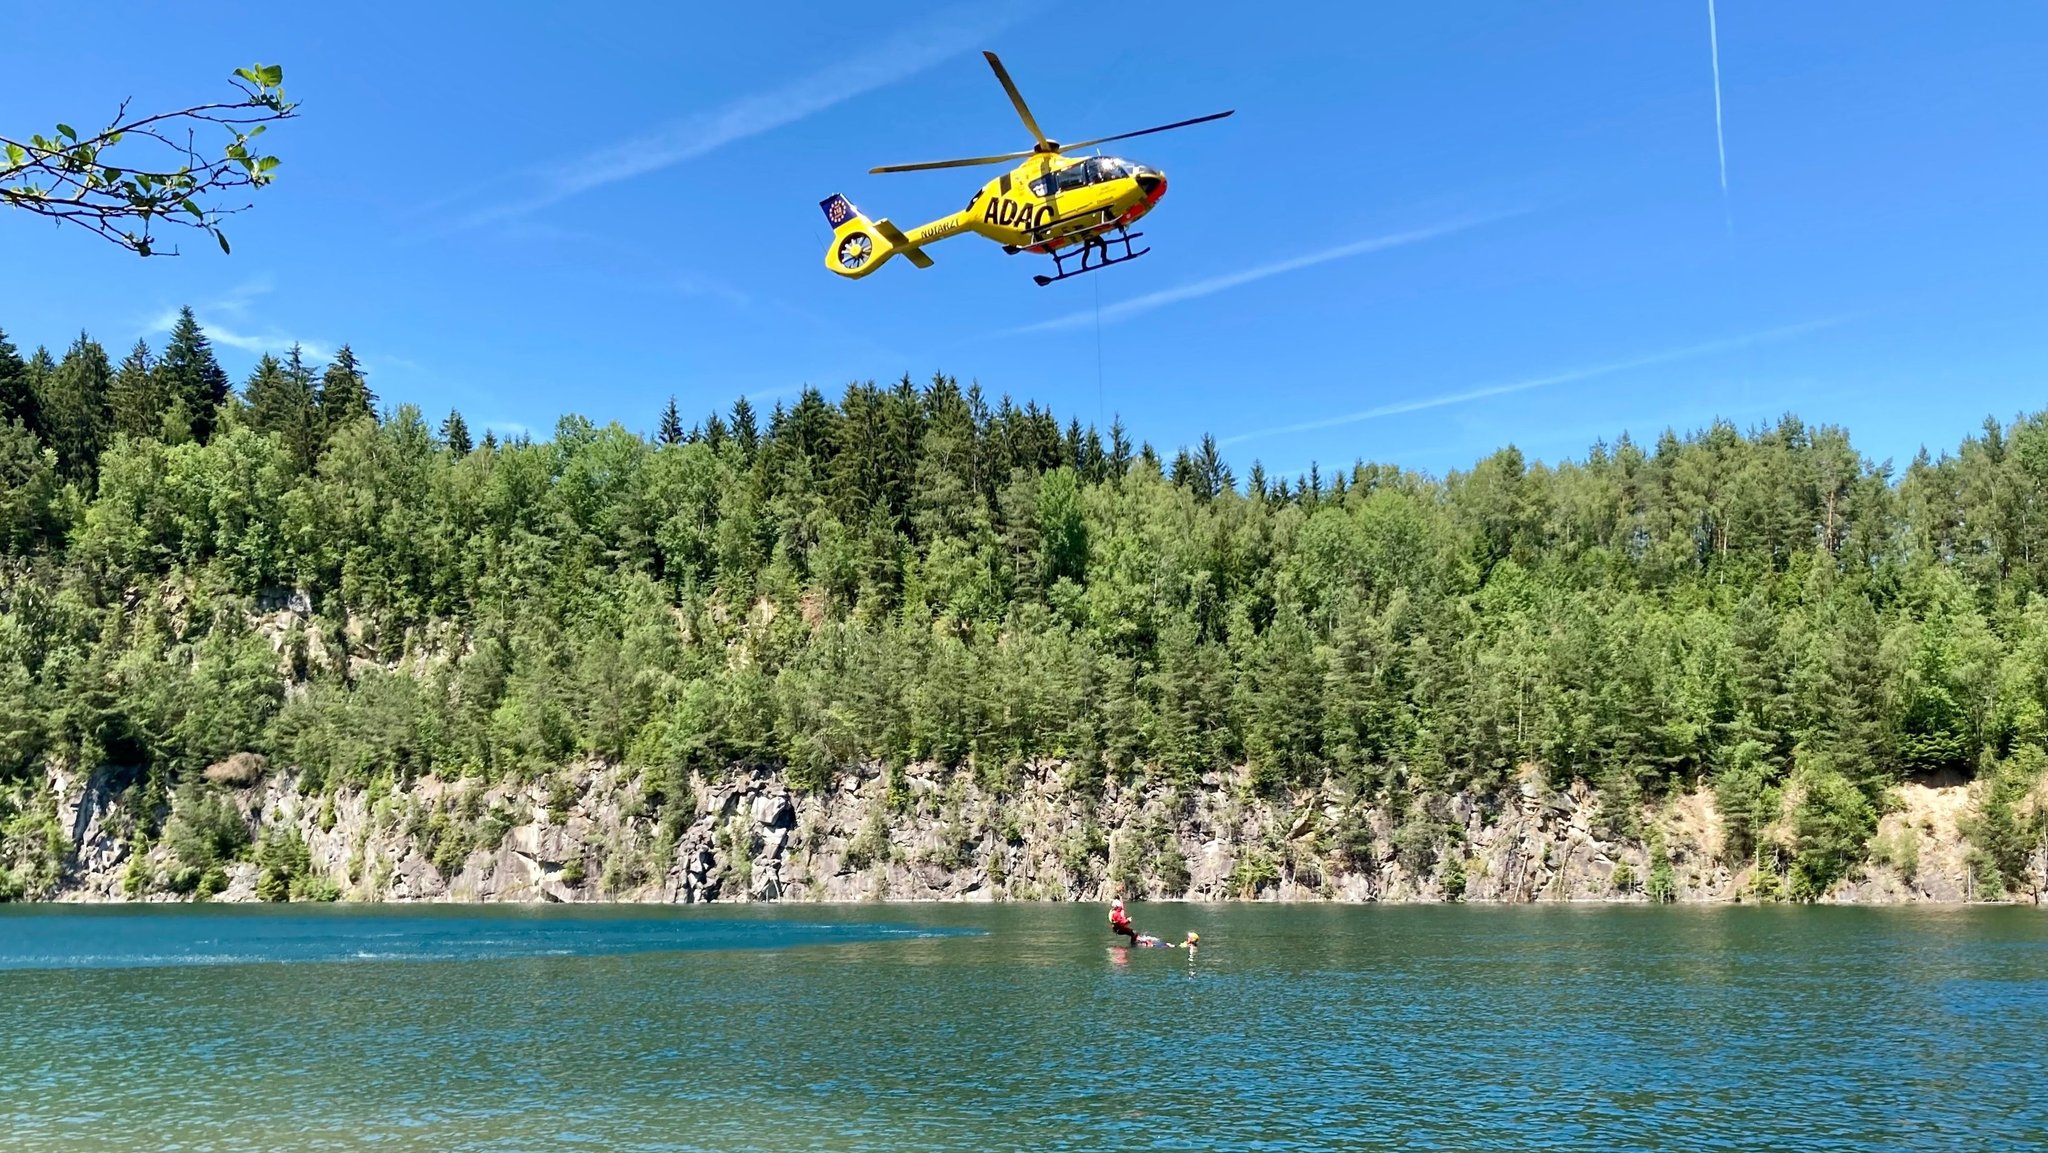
(1059, 205)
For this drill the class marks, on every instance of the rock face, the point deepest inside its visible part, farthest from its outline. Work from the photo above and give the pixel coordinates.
(926, 834)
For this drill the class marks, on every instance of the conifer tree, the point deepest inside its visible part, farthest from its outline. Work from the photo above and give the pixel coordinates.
(671, 424)
(344, 394)
(135, 405)
(269, 395)
(17, 398)
(744, 431)
(714, 430)
(455, 431)
(298, 411)
(1212, 475)
(74, 405)
(189, 378)
(37, 376)
(490, 439)
(1119, 448)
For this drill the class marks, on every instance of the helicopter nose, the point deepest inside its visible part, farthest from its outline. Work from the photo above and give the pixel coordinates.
(1152, 183)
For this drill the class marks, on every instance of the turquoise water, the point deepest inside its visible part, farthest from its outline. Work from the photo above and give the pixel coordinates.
(1018, 1027)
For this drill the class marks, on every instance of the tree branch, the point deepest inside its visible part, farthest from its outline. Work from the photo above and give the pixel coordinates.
(67, 179)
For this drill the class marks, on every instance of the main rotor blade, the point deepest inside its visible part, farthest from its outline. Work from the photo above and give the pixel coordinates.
(1009, 86)
(967, 163)
(1145, 131)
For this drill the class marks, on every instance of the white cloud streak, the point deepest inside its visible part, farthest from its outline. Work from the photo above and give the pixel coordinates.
(1568, 376)
(895, 59)
(1215, 284)
(244, 341)
(1714, 49)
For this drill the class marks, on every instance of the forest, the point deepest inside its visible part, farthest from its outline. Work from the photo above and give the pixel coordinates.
(915, 573)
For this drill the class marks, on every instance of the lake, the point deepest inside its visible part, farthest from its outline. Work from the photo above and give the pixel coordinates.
(951, 1027)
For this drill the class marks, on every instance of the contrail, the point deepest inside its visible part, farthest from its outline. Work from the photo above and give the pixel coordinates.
(1720, 143)
(892, 60)
(1568, 376)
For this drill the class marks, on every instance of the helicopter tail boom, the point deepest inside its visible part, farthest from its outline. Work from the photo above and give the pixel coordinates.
(859, 245)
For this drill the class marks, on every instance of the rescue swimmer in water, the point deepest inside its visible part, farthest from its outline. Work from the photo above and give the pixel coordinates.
(1051, 203)
(1120, 924)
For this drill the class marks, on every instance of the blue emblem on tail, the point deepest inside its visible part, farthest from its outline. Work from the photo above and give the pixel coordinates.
(837, 210)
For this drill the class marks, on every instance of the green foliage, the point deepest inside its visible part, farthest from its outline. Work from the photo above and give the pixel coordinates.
(870, 845)
(1831, 827)
(1661, 886)
(1255, 870)
(160, 178)
(1623, 879)
(1899, 851)
(1454, 878)
(33, 844)
(2008, 830)
(285, 869)
(925, 575)
(1748, 797)
(205, 833)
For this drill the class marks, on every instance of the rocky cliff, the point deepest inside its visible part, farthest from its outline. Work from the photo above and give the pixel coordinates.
(923, 834)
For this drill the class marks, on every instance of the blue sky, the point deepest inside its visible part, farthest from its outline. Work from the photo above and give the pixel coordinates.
(1429, 231)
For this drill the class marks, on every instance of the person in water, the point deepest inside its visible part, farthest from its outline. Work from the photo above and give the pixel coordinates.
(1189, 944)
(1120, 921)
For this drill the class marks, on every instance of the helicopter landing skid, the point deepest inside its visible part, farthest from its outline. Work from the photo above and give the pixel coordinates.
(1093, 244)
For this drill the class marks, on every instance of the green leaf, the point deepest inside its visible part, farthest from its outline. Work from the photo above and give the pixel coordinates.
(192, 208)
(67, 130)
(113, 174)
(267, 163)
(256, 131)
(246, 74)
(14, 153)
(271, 75)
(222, 237)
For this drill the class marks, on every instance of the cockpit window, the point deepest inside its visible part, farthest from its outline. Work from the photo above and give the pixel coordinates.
(1093, 170)
(1108, 168)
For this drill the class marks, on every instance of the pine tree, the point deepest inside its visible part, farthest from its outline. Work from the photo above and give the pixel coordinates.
(671, 424)
(743, 431)
(455, 431)
(344, 394)
(298, 412)
(17, 398)
(37, 375)
(136, 405)
(490, 440)
(714, 431)
(1853, 710)
(1212, 475)
(1119, 448)
(189, 378)
(269, 395)
(74, 405)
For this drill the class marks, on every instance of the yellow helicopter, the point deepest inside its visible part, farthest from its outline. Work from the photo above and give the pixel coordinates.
(1052, 203)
